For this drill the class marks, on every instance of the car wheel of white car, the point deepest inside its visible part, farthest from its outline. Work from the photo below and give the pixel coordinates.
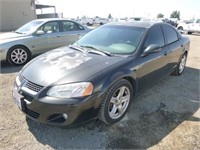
(18, 55)
(116, 102)
(180, 29)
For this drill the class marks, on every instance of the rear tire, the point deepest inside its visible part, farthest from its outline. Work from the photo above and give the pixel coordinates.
(18, 55)
(181, 65)
(116, 102)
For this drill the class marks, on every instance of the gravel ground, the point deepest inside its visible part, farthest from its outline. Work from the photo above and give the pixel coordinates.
(165, 117)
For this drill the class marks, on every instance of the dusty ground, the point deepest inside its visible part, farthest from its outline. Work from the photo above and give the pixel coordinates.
(165, 117)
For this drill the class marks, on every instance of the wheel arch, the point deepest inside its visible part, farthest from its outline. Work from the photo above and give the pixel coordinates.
(128, 75)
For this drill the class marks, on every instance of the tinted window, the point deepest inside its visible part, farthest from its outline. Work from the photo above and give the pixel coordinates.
(155, 37)
(50, 27)
(170, 34)
(71, 26)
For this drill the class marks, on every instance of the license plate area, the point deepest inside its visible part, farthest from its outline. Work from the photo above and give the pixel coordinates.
(17, 98)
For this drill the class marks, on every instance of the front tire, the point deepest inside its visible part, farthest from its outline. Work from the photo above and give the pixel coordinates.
(18, 55)
(180, 29)
(116, 102)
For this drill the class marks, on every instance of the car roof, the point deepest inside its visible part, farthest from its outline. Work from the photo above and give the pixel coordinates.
(144, 24)
(52, 19)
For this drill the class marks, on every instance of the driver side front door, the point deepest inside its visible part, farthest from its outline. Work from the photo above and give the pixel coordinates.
(49, 40)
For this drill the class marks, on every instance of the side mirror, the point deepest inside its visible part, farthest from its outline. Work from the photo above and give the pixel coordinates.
(80, 37)
(39, 32)
(153, 48)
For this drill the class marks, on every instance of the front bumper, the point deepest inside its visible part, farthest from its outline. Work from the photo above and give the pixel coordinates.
(58, 112)
(3, 54)
(3, 51)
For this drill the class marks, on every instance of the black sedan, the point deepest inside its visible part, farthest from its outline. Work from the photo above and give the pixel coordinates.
(100, 74)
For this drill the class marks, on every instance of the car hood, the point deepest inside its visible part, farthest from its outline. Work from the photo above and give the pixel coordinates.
(64, 65)
(11, 36)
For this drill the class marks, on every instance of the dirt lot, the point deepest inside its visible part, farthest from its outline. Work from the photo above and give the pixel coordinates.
(165, 117)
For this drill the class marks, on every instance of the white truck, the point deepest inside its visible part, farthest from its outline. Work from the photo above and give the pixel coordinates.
(190, 26)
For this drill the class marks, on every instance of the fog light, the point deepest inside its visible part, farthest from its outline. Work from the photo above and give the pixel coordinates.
(65, 116)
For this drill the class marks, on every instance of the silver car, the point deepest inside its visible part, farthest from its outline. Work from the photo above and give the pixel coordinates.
(38, 36)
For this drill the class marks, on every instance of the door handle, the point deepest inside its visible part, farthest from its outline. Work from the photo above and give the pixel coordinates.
(58, 36)
(165, 53)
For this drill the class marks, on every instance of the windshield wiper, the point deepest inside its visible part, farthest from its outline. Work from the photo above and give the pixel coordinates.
(77, 48)
(97, 51)
(18, 32)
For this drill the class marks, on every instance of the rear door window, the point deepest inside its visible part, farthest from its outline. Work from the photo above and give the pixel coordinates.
(170, 33)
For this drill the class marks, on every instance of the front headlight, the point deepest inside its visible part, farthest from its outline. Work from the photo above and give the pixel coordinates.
(71, 90)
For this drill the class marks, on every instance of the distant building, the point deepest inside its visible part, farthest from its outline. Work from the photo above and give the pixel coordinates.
(53, 13)
(15, 13)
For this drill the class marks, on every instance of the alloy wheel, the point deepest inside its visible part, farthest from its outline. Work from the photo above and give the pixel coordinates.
(119, 102)
(19, 56)
(182, 64)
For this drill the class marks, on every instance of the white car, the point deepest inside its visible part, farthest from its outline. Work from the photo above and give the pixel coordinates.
(189, 27)
(101, 21)
(86, 21)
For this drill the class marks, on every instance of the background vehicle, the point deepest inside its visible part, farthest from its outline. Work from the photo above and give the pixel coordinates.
(172, 21)
(101, 21)
(37, 37)
(86, 21)
(134, 19)
(190, 26)
(122, 20)
(100, 74)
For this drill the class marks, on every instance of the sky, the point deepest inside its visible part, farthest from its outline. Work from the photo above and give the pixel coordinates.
(124, 8)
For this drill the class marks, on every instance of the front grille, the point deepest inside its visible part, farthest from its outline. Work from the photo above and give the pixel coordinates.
(30, 85)
(31, 113)
(33, 86)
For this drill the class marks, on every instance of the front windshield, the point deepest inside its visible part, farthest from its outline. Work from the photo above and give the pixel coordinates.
(114, 39)
(30, 27)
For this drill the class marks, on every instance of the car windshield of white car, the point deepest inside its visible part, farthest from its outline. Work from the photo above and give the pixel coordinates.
(113, 39)
(29, 27)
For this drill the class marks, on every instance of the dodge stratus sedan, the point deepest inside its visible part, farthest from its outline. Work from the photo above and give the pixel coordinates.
(38, 36)
(100, 74)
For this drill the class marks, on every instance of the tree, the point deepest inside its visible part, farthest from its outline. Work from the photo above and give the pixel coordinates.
(160, 15)
(109, 16)
(175, 14)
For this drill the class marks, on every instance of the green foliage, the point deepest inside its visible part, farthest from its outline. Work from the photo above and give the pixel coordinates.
(175, 14)
(109, 16)
(160, 15)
